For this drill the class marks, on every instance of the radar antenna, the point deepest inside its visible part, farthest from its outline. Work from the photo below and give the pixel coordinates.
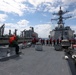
(60, 19)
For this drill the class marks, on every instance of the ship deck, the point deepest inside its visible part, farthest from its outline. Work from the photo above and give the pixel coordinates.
(32, 62)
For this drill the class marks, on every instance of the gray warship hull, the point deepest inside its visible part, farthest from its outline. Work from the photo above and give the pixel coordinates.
(66, 33)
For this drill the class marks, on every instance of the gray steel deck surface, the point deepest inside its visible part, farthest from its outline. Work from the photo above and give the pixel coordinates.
(32, 62)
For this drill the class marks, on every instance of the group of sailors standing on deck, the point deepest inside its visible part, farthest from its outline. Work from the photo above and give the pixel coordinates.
(50, 41)
(46, 41)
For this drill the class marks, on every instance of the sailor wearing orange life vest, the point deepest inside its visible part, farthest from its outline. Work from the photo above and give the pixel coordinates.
(13, 43)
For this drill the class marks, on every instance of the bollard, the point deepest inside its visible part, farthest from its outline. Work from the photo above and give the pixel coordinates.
(38, 46)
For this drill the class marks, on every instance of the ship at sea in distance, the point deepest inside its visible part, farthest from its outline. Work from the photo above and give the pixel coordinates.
(61, 32)
(26, 35)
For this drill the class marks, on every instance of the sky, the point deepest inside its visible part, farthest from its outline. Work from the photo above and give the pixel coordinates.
(23, 14)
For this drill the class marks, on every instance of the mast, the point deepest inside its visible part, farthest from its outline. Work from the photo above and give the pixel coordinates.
(61, 18)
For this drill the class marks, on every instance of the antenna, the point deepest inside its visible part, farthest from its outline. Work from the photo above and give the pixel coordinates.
(61, 18)
(60, 7)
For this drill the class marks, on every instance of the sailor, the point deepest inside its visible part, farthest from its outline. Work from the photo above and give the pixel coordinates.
(47, 41)
(54, 41)
(60, 41)
(13, 42)
(43, 41)
(33, 41)
(57, 41)
(50, 41)
(75, 41)
(70, 41)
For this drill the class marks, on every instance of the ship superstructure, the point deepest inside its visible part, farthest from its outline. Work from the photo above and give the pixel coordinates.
(61, 32)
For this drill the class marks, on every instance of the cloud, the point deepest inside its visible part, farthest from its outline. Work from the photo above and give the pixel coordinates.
(43, 30)
(21, 6)
(73, 27)
(68, 1)
(3, 17)
(35, 3)
(20, 1)
(20, 26)
(12, 6)
(73, 13)
(46, 5)
(23, 25)
(9, 26)
(38, 2)
(43, 5)
(53, 9)
(23, 22)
